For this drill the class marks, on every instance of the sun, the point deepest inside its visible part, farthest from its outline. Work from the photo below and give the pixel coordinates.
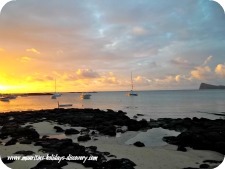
(3, 88)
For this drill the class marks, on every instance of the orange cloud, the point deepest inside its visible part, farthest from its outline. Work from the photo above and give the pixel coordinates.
(178, 78)
(201, 72)
(220, 70)
(33, 50)
(142, 81)
(25, 59)
(110, 78)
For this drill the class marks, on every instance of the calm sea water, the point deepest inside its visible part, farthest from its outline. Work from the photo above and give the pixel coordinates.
(153, 104)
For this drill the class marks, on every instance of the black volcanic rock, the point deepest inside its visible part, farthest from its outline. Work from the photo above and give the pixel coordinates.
(139, 144)
(181, 148)
(209, 86)
(84, 138)
(201, 134)
(13, 141)
(71, 131)
(119, 164)
(58, 129)
(5, 160)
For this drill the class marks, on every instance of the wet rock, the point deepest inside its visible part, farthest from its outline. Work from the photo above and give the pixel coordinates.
(119, 164)
(170, 140)
(202, 134)
(91, 149)
(143, 123)
(29, 133)
(181, 148)
(44, 136)
(25, 153)
(9, 129)
(25, 141)
(93, 133)
(71, 131)
(133, 125)
(106, 153)
(220, 147)
(13, 141)
(108, 130)
(204, 166)
(54, 145)
(139, 144)
(88, 118)
(6, 161)
(84, 138)
(58, 129)
(85, 131)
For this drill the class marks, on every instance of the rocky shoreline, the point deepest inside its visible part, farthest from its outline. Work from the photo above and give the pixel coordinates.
(101, 122)
(201, 134)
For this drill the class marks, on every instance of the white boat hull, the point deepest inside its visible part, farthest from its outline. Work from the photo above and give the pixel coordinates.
(85, 96)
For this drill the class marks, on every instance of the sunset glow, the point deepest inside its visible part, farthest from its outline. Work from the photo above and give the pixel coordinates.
(95, 45)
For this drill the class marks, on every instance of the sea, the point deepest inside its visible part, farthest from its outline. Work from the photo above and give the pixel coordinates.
(148, 104)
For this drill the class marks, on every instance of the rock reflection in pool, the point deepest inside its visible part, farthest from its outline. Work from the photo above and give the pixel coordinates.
(152, 137)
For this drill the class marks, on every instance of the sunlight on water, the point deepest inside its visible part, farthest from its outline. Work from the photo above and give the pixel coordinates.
(152, 104)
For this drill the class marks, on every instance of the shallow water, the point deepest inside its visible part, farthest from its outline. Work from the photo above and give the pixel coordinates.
(152, 137)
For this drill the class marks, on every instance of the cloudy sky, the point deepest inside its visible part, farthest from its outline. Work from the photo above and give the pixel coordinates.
(94, 45)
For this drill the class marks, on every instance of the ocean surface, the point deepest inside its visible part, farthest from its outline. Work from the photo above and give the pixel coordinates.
(152, 104)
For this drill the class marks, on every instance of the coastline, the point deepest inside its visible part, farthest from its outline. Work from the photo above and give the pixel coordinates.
(102, 128)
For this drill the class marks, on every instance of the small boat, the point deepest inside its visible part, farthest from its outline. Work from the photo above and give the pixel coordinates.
(132, 93)
(55, 95)
(5, 99)
(85, 96)
(64, 105)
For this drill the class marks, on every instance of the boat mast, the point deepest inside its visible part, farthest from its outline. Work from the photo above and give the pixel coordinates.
(55, 85)
(131, 82)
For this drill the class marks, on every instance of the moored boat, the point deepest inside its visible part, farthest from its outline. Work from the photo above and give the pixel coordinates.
(85, 96)
(5, 99)
(64, 105)
(132, 93)
(55, 95)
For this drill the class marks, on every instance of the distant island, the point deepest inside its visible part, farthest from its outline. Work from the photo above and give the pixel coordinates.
(209, 86)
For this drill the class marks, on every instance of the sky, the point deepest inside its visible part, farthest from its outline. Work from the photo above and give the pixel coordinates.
(94, 45)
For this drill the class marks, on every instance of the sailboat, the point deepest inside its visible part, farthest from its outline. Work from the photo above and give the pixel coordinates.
(7, 97)
(132, 93)
(55, 95)
(85, 96)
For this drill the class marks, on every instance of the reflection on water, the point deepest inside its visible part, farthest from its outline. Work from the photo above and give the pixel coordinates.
(153, 104)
